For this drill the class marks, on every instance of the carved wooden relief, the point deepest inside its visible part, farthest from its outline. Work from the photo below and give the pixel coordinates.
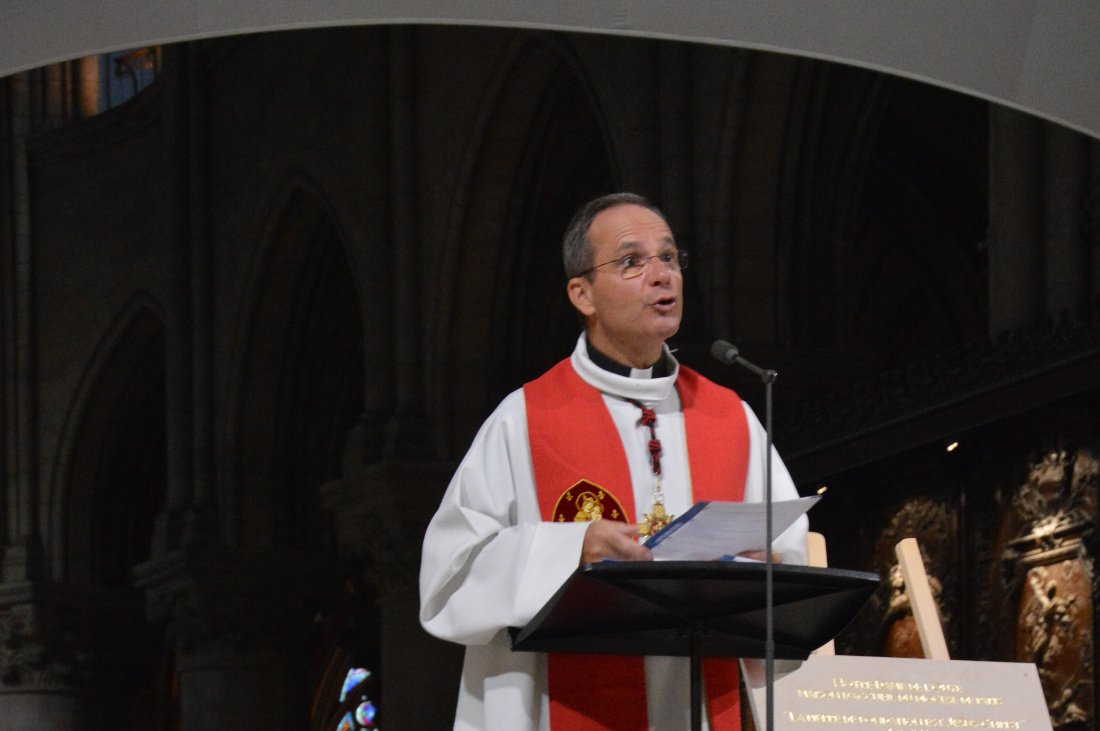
(929, 521)
(1052, 579)
(1052, 631)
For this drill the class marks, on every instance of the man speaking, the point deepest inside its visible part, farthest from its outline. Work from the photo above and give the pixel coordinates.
(575, 467)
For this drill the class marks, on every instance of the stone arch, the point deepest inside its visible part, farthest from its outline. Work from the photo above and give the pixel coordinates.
(540, 150)
(109, 487)
(298, 381)
(112, 469)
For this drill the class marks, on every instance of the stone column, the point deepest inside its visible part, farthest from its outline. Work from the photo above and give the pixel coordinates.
(1016, 257)
(674, 79)
(1093, 221)
(1065, 171)
(188, 313)
(238, 623)
(86, 86)
(20, 544)
(379, 514)
(408, 336)
(37, 683)
(757, 196)
(179, 371)
(40, 665)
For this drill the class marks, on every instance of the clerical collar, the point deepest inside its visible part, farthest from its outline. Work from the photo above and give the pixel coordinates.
(645, 390)
(660, 369)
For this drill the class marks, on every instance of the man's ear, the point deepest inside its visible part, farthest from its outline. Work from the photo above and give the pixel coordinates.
(579, 290)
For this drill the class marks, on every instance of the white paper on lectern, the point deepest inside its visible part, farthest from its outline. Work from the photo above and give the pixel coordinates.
(713, 531)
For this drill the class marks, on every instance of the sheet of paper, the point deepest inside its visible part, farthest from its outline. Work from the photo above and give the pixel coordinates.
(712, 531)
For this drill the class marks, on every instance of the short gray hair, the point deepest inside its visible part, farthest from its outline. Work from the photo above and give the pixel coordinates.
(576, 248)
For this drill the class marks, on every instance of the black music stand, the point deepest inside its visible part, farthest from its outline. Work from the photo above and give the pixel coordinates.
(694, 609)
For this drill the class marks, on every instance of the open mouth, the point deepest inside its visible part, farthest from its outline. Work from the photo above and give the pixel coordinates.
(665, 305)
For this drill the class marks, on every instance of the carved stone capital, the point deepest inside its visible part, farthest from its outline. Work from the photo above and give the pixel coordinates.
(379, 514)
(20, 562)
(214, 600)
(40, 638)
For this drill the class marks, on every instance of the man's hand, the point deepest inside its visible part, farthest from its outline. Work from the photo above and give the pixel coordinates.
(609, 539)
(760, 556)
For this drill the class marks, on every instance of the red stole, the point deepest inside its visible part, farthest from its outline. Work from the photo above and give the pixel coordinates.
(572, 437)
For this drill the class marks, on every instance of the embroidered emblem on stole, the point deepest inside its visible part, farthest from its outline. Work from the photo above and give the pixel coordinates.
(586, 501)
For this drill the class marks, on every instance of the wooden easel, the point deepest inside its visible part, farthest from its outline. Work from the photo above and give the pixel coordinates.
(925, 611)
(923, 604)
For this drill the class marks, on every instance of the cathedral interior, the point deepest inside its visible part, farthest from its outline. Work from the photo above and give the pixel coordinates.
(258, 292)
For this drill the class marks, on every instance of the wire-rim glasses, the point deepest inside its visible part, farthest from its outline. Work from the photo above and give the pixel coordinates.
(633, 265)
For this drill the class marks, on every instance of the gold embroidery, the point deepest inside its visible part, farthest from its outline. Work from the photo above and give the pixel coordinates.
(585, 501)
(588, 507)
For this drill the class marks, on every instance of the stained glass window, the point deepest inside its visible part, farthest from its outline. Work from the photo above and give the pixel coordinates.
(365, 714)
(125, 73)
(354, 678)
(355, 691)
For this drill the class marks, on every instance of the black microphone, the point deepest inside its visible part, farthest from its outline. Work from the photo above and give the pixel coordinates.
(725, 352)
(729, 354)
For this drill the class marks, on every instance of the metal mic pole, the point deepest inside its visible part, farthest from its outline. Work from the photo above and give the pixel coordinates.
(729, 354)
(769, 592)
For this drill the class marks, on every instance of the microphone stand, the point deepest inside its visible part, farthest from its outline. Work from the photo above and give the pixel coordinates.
(729, 354)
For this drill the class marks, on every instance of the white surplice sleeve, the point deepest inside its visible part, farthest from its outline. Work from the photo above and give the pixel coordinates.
(489, 561)
(791, 544)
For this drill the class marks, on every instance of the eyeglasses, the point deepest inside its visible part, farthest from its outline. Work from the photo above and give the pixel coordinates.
(632, 265)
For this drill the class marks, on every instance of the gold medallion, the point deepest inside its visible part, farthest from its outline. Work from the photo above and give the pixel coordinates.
(655, 521)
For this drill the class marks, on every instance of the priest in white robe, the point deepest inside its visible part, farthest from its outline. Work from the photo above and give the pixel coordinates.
(492, 557)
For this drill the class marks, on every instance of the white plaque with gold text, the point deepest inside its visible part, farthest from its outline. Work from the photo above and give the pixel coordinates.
(845, 692)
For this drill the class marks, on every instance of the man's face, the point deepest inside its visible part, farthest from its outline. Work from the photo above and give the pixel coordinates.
(629, 319)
